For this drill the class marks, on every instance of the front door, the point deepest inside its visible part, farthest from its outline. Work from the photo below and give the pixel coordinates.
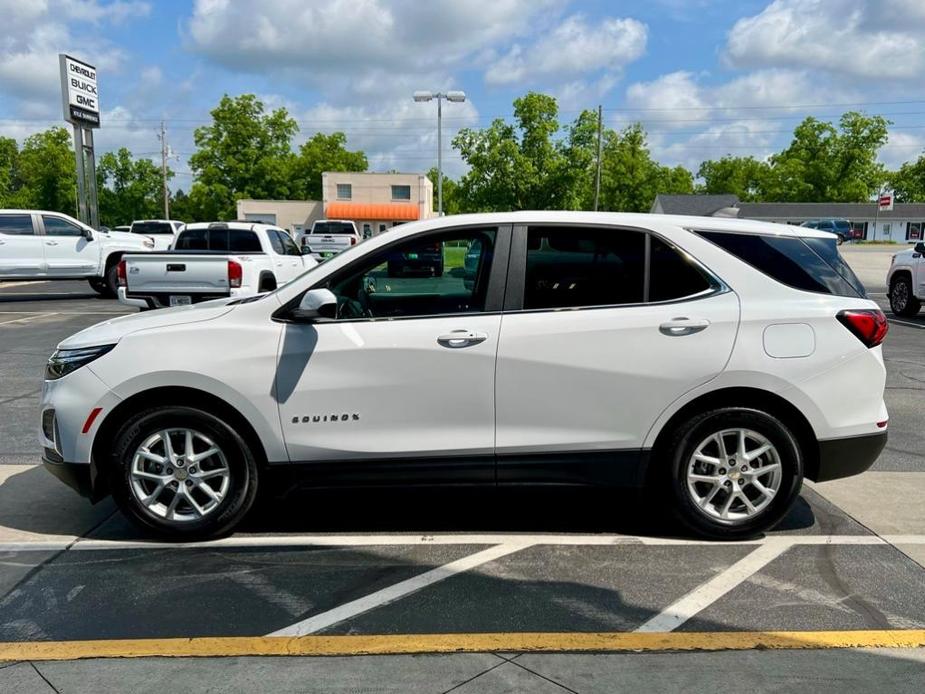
(406, 372)
(67, 252)
(21, 253)
(597, 348)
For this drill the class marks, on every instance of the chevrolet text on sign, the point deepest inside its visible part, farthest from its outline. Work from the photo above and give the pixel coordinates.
(79, 92)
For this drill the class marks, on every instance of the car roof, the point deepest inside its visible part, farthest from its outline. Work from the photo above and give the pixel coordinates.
(626, 219)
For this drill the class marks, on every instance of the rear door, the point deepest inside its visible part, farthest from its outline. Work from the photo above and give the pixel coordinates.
(21, 250)
(603, 329)
(68, 253)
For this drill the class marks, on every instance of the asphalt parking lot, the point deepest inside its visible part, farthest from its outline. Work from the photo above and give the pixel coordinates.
(468, 590)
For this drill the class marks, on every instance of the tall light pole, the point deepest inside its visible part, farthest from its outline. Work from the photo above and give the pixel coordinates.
(440, 96)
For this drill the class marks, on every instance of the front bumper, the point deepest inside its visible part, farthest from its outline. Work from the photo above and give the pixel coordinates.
(78, 476)
(847, 456)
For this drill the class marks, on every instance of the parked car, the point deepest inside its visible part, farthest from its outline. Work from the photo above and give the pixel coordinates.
(328, 237)
(39, 245)
(162, 231)
(425, 258)
(719, 361)
(840, 227)
(212, 261)
(906, 281)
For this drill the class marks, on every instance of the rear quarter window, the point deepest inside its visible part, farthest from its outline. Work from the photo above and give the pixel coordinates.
(801, 263)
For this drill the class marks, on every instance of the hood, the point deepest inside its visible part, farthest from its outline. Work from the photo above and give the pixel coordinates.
(111, 331)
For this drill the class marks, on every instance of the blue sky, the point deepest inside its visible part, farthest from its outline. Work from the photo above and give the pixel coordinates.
(705, 78)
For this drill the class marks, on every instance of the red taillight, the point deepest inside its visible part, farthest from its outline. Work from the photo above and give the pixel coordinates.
(353, 241)
(868, 325)
(120, 273)
(234, 274)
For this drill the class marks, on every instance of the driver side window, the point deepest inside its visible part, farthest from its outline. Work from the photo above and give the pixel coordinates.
(438, 274)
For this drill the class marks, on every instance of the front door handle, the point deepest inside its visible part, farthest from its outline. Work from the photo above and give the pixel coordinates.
(51, 243)
(678, 327)
(461, 338)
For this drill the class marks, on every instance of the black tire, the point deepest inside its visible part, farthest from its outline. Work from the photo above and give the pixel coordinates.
(242, 466)
(686, 441)
(902, 299)
(98, 285)
(110, 281)
(839, 239)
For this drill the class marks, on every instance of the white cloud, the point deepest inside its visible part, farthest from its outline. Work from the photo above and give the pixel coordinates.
(573, 48)
(901, 147)
(671, 98)
(399, 134)
(859, 38)
(372, 42)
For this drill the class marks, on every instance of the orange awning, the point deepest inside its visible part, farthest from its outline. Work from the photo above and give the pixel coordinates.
(397, 211)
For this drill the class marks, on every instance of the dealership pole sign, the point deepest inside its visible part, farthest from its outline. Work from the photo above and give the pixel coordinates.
(80, 96)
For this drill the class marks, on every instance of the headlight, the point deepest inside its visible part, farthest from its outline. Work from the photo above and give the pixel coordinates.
(63, 361)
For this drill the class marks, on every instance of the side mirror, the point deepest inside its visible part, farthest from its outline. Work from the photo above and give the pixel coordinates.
(88, 234)
(920, 247)
(316, 303)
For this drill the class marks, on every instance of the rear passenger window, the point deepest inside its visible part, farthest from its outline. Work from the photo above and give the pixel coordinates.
(786, 259)
(575, 266)
(16, 224)
(673, 275)
(276, 242)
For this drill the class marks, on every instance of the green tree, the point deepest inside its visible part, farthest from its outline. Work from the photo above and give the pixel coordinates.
(181, 207)
(318, 154)
(45, 173)
(128, 188)
(9, 154)
(244, 153)
(824, 163)
(451, 203)
(744, 177)
(630, 178)
(908, 183)
(516, 166)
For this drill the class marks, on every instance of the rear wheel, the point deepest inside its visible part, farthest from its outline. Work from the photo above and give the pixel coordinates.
(902, 298)
(839, 239)
(735, 472)
(110, 280)
(183, 473)
(98, 285)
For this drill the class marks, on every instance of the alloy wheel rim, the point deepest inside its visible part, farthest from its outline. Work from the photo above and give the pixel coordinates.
(734, 475)
(179, 475)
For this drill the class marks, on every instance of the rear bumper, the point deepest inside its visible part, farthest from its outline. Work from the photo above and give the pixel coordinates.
(162, 300)
(847, 456)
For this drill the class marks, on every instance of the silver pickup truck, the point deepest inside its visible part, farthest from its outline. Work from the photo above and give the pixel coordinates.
(328, 237)
(212, 261)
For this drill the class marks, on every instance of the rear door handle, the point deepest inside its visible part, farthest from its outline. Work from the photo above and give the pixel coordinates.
(678, 327)
(51, 243)
(461, 338)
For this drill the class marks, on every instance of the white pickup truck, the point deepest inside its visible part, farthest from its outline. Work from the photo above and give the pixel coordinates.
(328, 237)
(212, 261)
(39, 245)
(162, 231)
(906, 281)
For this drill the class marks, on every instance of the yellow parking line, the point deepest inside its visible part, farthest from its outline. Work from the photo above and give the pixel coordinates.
(395, 644)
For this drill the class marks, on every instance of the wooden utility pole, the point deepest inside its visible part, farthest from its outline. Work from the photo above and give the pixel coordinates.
(597, 177)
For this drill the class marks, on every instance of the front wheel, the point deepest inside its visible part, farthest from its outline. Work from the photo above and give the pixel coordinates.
(183, 473)
(98, 285)
(735, 472)
(902, 299)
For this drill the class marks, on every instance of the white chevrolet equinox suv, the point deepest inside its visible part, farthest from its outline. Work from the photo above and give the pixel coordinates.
(719, 361)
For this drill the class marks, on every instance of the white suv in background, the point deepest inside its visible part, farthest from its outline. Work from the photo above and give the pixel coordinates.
(906, 281)
(162, 231)
(719, 361)
(39, 245)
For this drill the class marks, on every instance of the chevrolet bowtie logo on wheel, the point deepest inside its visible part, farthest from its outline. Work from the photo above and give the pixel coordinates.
(320, 418)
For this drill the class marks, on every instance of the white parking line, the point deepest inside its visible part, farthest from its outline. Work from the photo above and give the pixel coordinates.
(905, 322)
(705, 595)
(399, 590)
(31, 316)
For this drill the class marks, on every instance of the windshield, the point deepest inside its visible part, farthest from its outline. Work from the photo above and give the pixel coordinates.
(332, 228)
(149, 228)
